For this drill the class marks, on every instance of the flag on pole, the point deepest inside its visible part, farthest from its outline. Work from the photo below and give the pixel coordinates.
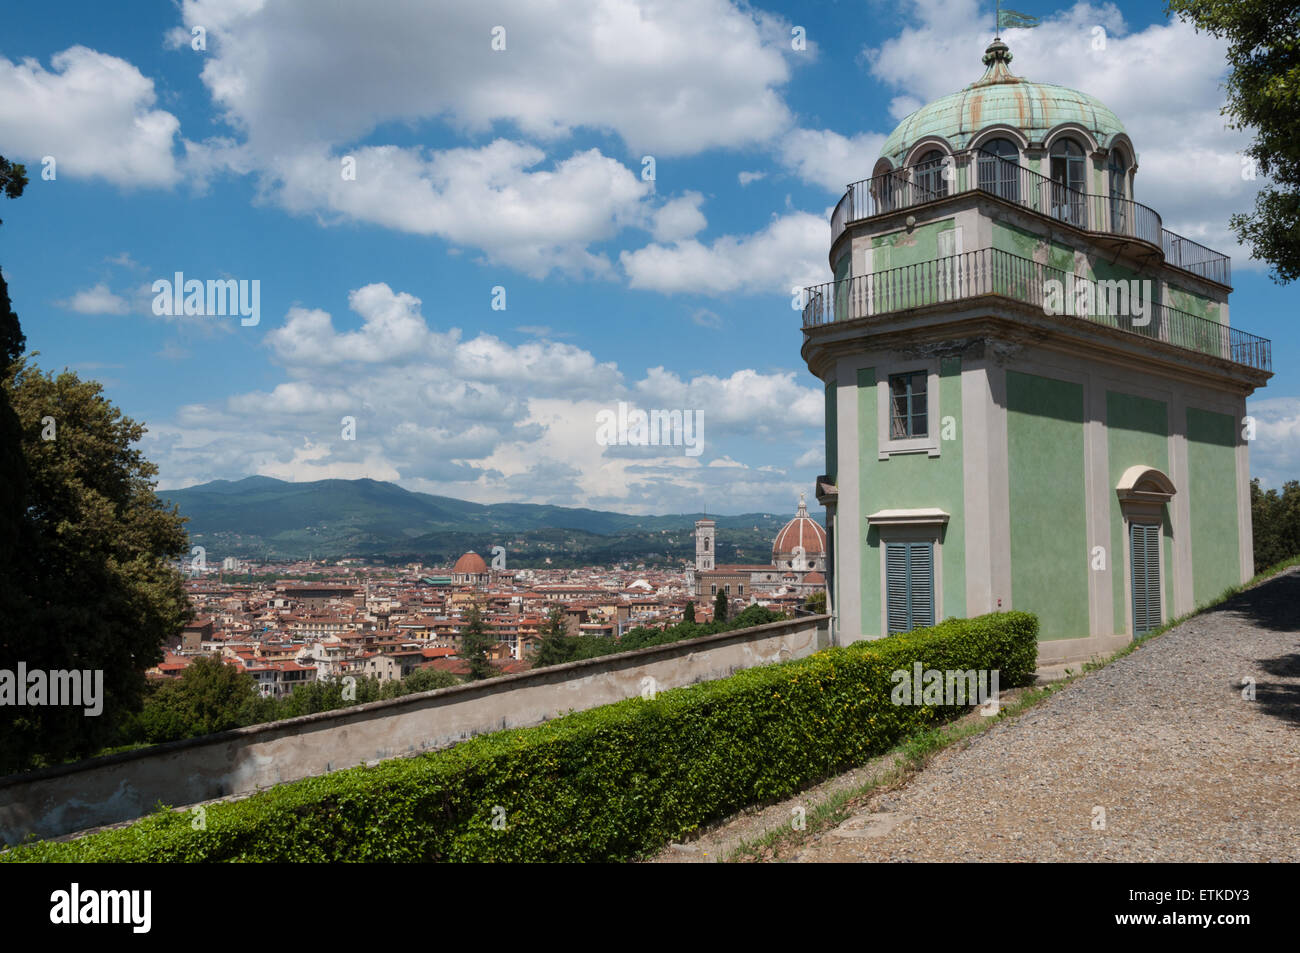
(1012, 19)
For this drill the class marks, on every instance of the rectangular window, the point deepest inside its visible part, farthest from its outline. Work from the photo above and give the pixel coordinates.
(907, 405)
(713, 589)
(1144, 554)
(740, 590)
(909, 584)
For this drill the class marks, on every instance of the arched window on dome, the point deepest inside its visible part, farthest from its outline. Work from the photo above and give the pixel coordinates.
(1118, 169)
(928, 177)
(1069, 203)
(889, 191)
(999, 169)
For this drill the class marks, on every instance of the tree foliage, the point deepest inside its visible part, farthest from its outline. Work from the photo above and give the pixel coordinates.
(720, 607)
(211, 695)
(688, 614)
(557, 646)
(1275, 523)
(13, 479)
(13, 179)
(93, 587)
(475, 643)
(1263, 90)
(643, 636)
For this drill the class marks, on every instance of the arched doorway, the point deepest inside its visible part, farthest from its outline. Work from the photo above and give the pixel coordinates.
(1144, 494)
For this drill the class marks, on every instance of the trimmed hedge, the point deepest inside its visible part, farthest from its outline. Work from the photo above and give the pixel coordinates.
(610, 783)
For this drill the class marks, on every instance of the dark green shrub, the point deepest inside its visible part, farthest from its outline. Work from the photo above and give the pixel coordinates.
(607, 784)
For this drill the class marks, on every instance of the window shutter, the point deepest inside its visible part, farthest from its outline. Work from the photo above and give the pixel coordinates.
(1144, 550)
(909, 585)
(1153, 577)
(898, 608)
(922, 584)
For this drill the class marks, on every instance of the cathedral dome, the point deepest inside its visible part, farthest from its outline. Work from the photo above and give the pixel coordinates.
(802, 531)
(470, 564)
(1006, 101)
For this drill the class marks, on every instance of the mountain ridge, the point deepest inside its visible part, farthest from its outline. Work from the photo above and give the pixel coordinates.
(265, 516)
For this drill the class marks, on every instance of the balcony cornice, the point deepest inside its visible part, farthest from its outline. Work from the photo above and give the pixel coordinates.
(995, 327)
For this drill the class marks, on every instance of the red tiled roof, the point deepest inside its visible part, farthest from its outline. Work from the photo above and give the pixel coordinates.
(470, 563)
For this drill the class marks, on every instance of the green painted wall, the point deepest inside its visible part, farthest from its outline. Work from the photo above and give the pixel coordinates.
(842, 266)
(1022, 242)
(1203, 335)
(914, 480)
(908, 248)
(1103, 270)
(1192, 302)
(1212, 492)
(897, 250)
(1049, 540)
(1137, 431)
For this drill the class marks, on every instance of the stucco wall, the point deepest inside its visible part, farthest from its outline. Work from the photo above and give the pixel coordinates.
(1137, 430)
(122, 787)
(1212, 487)
(907, 480)
(1049, 539)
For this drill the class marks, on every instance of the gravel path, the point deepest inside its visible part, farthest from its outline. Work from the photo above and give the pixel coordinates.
(1184, 767)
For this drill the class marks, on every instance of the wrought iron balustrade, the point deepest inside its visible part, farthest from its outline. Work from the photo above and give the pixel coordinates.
(991, 271)
(972, 170)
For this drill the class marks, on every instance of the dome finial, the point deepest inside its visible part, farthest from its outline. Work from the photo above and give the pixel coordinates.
(997, 59)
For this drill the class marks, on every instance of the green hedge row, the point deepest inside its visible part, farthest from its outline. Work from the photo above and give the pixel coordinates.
(611, 783)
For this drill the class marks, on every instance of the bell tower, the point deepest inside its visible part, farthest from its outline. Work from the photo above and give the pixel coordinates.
(704, 541)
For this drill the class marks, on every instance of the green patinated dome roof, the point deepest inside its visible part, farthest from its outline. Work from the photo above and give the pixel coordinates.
(1001, 97)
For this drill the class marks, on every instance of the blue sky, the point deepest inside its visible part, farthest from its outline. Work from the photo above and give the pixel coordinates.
(522, 169)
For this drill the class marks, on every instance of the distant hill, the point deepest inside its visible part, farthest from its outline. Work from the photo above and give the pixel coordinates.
(267, 518)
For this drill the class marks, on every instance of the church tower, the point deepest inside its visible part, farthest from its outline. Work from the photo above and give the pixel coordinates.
(704, 544)
(1034, 396)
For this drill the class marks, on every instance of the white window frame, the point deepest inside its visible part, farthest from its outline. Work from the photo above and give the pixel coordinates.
(1141, 502)
(929, 444)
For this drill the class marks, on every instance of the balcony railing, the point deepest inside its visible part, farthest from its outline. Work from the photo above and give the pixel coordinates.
(972, 170)
(991, 271)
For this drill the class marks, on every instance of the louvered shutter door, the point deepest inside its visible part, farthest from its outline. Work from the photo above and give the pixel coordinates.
(909, 585)
(1144, 549)
(921, 571)
(898, 609)
(1137, 556)
(1153, 577)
